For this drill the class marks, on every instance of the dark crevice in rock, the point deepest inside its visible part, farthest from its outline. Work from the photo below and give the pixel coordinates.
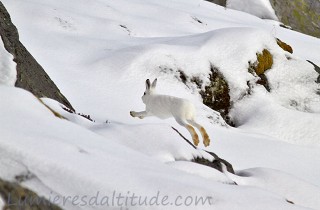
(183, 76)
(30, 75)
(264, 81)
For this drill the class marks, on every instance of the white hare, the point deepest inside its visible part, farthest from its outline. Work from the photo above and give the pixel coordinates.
(164, 106)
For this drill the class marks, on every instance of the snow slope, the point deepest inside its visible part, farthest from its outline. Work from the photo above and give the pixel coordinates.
(86, 164)
(100, 54)
(280, 183)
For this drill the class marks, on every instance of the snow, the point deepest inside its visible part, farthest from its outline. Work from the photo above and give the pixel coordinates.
(259, 8)
(101, 164)
(280, 183)
(2, 203)
(100, 55)
(8, 72)
(273, 120)
(202, 171)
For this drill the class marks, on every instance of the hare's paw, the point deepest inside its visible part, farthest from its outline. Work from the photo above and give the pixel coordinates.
(206, 141)
(195, 140)
(205, 136)
(132, 113)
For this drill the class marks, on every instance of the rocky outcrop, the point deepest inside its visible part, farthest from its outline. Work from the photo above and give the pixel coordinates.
(219, 2)
(17, 197)
(300, 15)
(216, 94)
(30, 75)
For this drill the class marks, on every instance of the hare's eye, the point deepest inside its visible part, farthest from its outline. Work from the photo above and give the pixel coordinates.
(144, 93)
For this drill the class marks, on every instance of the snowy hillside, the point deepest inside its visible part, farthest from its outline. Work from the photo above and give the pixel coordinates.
(100, 55)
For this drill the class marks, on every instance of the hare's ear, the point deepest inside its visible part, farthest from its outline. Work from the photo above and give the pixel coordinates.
(154, 83)
(148, 85)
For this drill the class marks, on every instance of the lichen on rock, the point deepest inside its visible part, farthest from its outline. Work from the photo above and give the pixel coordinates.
(216, 94)
(258, 68)
(264, 62)
(284, 46)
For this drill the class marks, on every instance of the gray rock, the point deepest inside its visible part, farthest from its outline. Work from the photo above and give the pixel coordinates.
(300, 15)
(219, 2)
(30, 75)
(317, 69)
(216, 163)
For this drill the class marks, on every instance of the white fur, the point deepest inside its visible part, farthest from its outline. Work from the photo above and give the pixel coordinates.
(165, 106)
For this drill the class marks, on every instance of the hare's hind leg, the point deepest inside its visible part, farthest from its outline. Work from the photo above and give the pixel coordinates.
(191, 130)
(204, 134)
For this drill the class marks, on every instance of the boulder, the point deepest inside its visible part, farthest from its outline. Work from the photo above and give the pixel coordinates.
(30, 75)
(300, 15)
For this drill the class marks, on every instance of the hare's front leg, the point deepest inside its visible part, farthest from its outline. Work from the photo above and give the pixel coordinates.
(141, 115)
